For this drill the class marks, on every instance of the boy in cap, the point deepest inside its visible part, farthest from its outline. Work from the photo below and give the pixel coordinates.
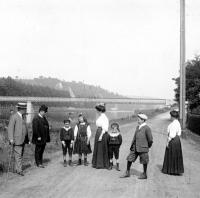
(41, 136)
(18, 135)
(114, 143)
(140, 145)
(67, 139)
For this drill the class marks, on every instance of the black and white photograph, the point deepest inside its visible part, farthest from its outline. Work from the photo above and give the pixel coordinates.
(99, 98)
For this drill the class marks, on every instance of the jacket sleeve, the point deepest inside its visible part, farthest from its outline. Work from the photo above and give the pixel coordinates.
(35, 127)
(133, 142)
(11, 127)
(61, 135)
(72, 134)
(120, 139)
(149, 136)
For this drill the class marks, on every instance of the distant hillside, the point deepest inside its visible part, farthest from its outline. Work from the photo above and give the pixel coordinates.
(11, 87)
(76, 89)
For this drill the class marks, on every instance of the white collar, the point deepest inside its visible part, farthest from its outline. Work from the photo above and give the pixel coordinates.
(67, 128)
(143, 124)
(114, 134)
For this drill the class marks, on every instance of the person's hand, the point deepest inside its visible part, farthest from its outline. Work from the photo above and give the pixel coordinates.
(11, 142)
(167, 144)
(39, 138)
(63, 143)
(71, 145)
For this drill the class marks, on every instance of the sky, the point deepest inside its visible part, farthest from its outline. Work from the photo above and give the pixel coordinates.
(126, 46)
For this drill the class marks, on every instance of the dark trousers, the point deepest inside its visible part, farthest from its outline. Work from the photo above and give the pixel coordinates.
(39, 150)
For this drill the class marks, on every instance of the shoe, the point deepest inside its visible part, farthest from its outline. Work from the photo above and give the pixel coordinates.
(110, 166)
(127, 174)
(70, 163)
(20, 173)
(143, 176)
(117, 167)
(65, 163)
(40, 166)
(85, 162)
(79, 162)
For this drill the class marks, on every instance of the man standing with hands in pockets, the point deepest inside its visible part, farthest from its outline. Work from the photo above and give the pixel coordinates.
(40, 127)
(18, 136)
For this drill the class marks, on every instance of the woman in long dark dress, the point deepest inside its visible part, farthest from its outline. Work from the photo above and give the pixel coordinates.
(100, 157)
(173, 160)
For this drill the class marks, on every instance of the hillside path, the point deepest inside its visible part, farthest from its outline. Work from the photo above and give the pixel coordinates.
(56, 181)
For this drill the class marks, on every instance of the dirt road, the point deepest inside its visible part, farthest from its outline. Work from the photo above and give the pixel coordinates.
(80, 182)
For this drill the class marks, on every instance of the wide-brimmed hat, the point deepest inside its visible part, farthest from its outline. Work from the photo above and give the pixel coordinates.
(142, 116)
(101, 107)
(21, 105)
(43, 108)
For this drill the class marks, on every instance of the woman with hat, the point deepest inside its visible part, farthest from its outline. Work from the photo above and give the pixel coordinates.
(114, 143)
(173, 160)
(140, 145)
(100, 157)
(41, 136)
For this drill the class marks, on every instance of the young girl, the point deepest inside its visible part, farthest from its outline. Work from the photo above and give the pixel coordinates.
(114, 143)
(82, 134)
(67, 139)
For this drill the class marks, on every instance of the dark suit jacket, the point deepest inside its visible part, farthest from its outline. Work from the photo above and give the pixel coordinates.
(142, 139)
(17, 130)
(40, 127)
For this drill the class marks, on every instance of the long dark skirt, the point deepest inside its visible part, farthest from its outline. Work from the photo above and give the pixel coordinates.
(173, 160)
(100, 154)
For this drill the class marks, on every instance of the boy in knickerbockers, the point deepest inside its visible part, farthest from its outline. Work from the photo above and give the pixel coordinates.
(67, 139)
(140, 145)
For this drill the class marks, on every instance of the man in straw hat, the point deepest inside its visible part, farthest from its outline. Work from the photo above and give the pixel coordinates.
(18, 135)
(140, 145)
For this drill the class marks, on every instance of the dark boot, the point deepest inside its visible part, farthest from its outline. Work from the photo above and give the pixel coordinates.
(110, 166)
(79, 162)
(70, 163)
(127, 174)
(85, 162)
(65, 163)
(117, 167)
(143, 176)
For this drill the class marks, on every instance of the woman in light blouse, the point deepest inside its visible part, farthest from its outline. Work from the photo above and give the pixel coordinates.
(173, 160)
(100, 154)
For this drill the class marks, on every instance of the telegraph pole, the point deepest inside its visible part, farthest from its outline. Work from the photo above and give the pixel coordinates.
(182, 64)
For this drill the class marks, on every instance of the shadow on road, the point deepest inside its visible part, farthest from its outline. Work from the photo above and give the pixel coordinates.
(135, 172)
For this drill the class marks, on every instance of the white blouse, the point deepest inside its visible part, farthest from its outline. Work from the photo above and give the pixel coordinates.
(174, 129)
(89, 133)
(103, 122)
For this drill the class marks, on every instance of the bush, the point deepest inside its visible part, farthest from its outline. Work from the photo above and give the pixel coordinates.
(193, 123)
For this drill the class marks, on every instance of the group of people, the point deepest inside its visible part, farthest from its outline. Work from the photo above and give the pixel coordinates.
(76, 140)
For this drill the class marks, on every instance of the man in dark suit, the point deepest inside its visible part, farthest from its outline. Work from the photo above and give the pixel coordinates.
(18, 135)
(40, 127)
(140, 145)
